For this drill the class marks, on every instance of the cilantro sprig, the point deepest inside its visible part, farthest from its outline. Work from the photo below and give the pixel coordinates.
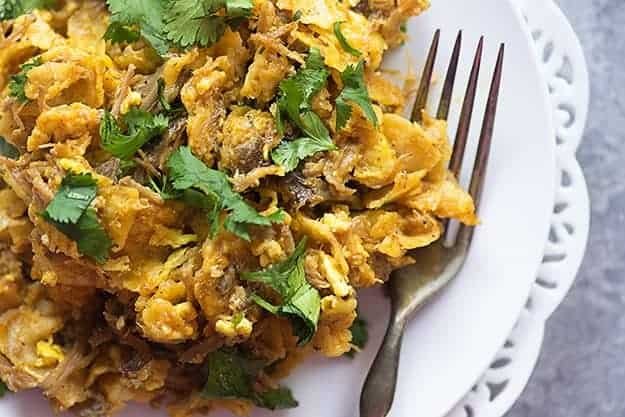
(70, 213)
(360, 335)
(202, 23)
(3, 389)
(8, 150)
(131, 19)
(142, 126)
(343, 42)
(174, 23)
(354, 91)
(18, 81)
(300, 301)
(205, 188)
(10, 9)
(233, 376)
(295, 103)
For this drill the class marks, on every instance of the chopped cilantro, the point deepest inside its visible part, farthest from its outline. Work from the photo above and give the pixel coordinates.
(279, 398)
(69, 212)
(202, 23)
(300, 301)
(8, 150)
(3, 389)
(10, 9)
(403, 28)
(18, 81)
(175, 110)
(295, 102)
(289, 153)
(131, 18)
(117, 32)
(206, 188)
(142, 127)
(297, 15)
(161, 96)
(344, 44)
(233, 376)
(177, 23)
(125, 166)
(76, 193)
(354, 90)
(360, 335)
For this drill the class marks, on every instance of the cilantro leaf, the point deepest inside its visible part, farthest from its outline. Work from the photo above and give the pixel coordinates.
(344, 44)
(233, 376)
(142, 127)
(8, 150)
(298, 91)
(202, 23)
(3, 389)
(10, 9)
(90, 236)
(276, 399)
(289, 153)
(295, 102)
(300, 301)
(18, 81)
(76, 193)
(70, 213)
(146, 15)
(360, 335)
(177, 109)
(229, 376)
(117, 32)
(354, 90)
(210, 189)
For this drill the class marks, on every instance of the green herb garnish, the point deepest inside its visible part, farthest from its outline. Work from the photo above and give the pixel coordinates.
(355, 91)
(300, 301)
(3, 389)
(174, 23)
(10, 9)
(233, 376)
(18, 81)
(209, 189)
(344, 44)
(295, 103)
(8, 150)
(131, 19)
(69, 212)
(360, 335)
(202, 23)
(142, 126)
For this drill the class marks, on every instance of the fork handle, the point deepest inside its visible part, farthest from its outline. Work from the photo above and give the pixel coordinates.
(378, 391)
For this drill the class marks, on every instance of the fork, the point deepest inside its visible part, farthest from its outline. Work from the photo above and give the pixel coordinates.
(436, 265)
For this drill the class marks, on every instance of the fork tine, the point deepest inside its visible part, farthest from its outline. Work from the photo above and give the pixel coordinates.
(464, 125)
(486, 135)
(486, 138)
(426, 79)
(450, 81)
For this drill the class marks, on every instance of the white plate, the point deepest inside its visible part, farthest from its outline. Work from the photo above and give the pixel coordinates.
(452, 341)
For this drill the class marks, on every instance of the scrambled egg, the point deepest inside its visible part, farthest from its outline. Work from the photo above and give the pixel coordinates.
(94, 336)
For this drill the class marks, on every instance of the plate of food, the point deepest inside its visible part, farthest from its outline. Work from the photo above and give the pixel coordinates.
(202, 200)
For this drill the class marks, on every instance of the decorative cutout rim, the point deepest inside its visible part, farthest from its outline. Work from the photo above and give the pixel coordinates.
(565, 71)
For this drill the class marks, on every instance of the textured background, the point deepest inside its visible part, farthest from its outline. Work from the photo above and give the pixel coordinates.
(581, 372)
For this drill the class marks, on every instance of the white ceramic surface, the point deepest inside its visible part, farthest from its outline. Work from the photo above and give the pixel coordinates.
(565, 71)
(450, 343)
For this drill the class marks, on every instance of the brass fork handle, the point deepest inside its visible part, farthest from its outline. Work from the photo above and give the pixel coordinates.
(379, 388)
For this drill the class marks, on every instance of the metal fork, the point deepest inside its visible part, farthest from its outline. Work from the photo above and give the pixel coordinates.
(412, 287)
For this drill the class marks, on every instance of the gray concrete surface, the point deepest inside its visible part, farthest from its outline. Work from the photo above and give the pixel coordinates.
(581, 372)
